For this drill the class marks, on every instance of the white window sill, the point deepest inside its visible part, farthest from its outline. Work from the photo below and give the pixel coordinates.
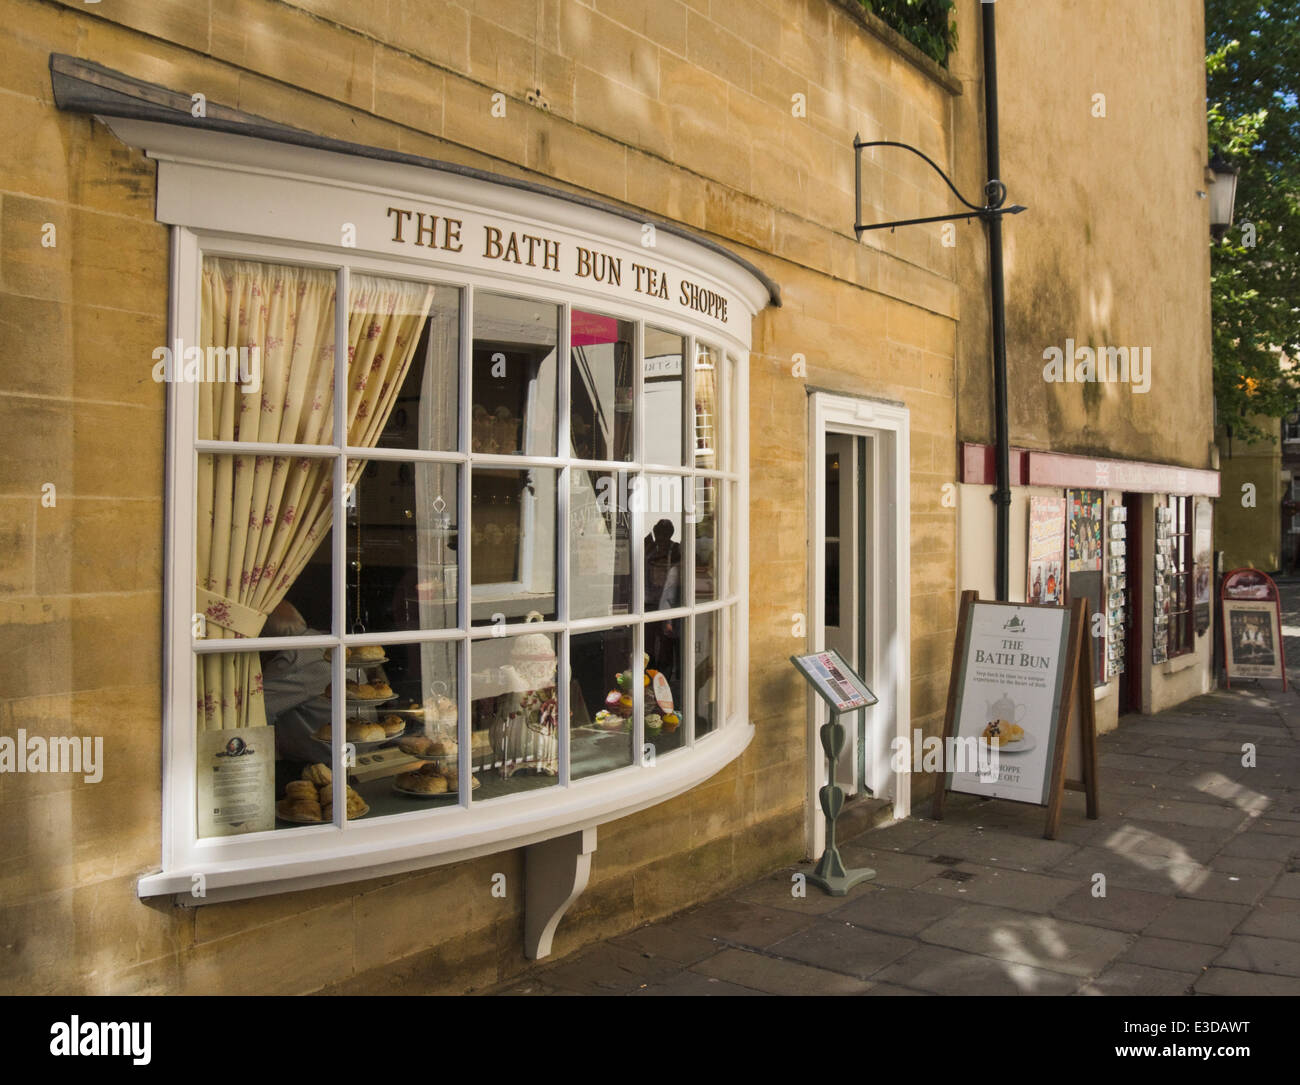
(329, 856)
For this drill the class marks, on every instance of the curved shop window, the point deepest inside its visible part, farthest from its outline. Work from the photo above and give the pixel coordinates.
(485, 541)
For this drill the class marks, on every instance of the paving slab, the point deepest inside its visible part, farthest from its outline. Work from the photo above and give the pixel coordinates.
(1207, 921)
(778, 890)
(605, 969)
(1288, 886)
(1253, 845)
(1120, 909)
(891, 990)
(1134, 979)
(1232, 981)
(1007, 888)
(776, 976)
(1255, 868)
(1278, 827)
(666, 943)
(1232, 888)
(896, 911)
(1134, 870)
(1273, 917)
(1171, 954)
(1182, 843)
(1276, 956)
(842, 947)
(1025, 850)
(943, 971)
(737, 923)
(1186, 813)
(1039, 941)
(894, 869)
(901, 835)
(692, 984)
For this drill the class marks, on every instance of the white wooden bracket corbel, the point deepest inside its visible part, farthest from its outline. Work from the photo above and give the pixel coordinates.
(555, 874)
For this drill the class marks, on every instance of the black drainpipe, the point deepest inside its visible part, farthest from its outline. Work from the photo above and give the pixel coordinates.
(1002, 491)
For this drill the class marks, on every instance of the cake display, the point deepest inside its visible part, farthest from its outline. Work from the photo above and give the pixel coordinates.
(659, 716)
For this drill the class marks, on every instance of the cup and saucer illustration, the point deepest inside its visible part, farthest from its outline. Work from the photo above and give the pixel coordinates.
(1004, 730)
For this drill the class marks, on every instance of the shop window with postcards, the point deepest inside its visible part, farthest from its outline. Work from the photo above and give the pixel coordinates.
(1174, 590)
(607, 534)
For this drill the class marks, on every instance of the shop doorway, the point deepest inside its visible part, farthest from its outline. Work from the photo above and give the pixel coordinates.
(858, 586)
(848, 560)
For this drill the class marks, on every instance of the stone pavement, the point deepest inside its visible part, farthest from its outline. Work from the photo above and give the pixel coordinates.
(1201, 857)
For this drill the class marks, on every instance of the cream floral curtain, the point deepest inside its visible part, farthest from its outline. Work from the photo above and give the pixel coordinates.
(260, 517)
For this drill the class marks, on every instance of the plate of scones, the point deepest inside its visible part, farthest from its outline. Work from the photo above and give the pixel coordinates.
(309, 800)
(429, 781)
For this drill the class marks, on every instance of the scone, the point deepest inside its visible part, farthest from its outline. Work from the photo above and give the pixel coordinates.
(299, 789)
(424, 780)
(319, 775)
(380, 689)
(303, 808)
(416, 745)
(393, 725)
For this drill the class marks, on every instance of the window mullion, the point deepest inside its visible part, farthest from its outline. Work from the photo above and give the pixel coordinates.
(564, 448)
(338, 730)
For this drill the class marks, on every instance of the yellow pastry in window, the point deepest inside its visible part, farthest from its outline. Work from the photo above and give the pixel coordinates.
(319, 774)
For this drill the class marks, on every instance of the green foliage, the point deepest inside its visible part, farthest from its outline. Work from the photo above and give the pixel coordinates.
(1253, 79)
(924, 23)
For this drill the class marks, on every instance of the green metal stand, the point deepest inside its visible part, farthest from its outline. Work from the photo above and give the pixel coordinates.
(830, 872)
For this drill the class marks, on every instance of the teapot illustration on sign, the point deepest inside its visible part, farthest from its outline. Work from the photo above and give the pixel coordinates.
(1004, 708)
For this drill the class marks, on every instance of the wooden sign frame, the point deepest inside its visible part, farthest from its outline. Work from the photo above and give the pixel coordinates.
(1076, 690)
(1233, 600)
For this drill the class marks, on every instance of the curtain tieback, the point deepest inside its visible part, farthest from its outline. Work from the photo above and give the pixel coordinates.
(241, 620)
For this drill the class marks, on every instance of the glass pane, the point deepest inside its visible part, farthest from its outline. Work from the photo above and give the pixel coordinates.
(386, 324)
(707, 434)
(600, 562)
(425, 412)
(600, 701)
(512, 543)
(401, 545)
(663, 397)
(263, 743)
(663, 666)
(600, 386)
(513, 713)
(663, 543)
(706, 539)
(706, 672)
(514, 376)
(417, 766)
(262, 524)
(265, 361)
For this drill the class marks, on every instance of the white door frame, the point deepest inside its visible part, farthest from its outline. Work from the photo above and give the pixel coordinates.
(887, 426)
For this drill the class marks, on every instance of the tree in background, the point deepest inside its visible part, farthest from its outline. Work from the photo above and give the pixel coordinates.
(1253, 75)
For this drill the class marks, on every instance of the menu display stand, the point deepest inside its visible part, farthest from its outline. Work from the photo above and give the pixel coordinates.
(843, 691)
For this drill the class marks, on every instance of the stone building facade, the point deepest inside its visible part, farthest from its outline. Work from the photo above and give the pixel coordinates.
(730, 123)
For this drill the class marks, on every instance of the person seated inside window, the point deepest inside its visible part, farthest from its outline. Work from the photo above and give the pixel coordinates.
(294, 681)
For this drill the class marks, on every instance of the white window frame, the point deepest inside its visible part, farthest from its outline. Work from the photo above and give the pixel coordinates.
(286, 860)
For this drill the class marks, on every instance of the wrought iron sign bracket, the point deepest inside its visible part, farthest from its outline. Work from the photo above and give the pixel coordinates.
(995, 194)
